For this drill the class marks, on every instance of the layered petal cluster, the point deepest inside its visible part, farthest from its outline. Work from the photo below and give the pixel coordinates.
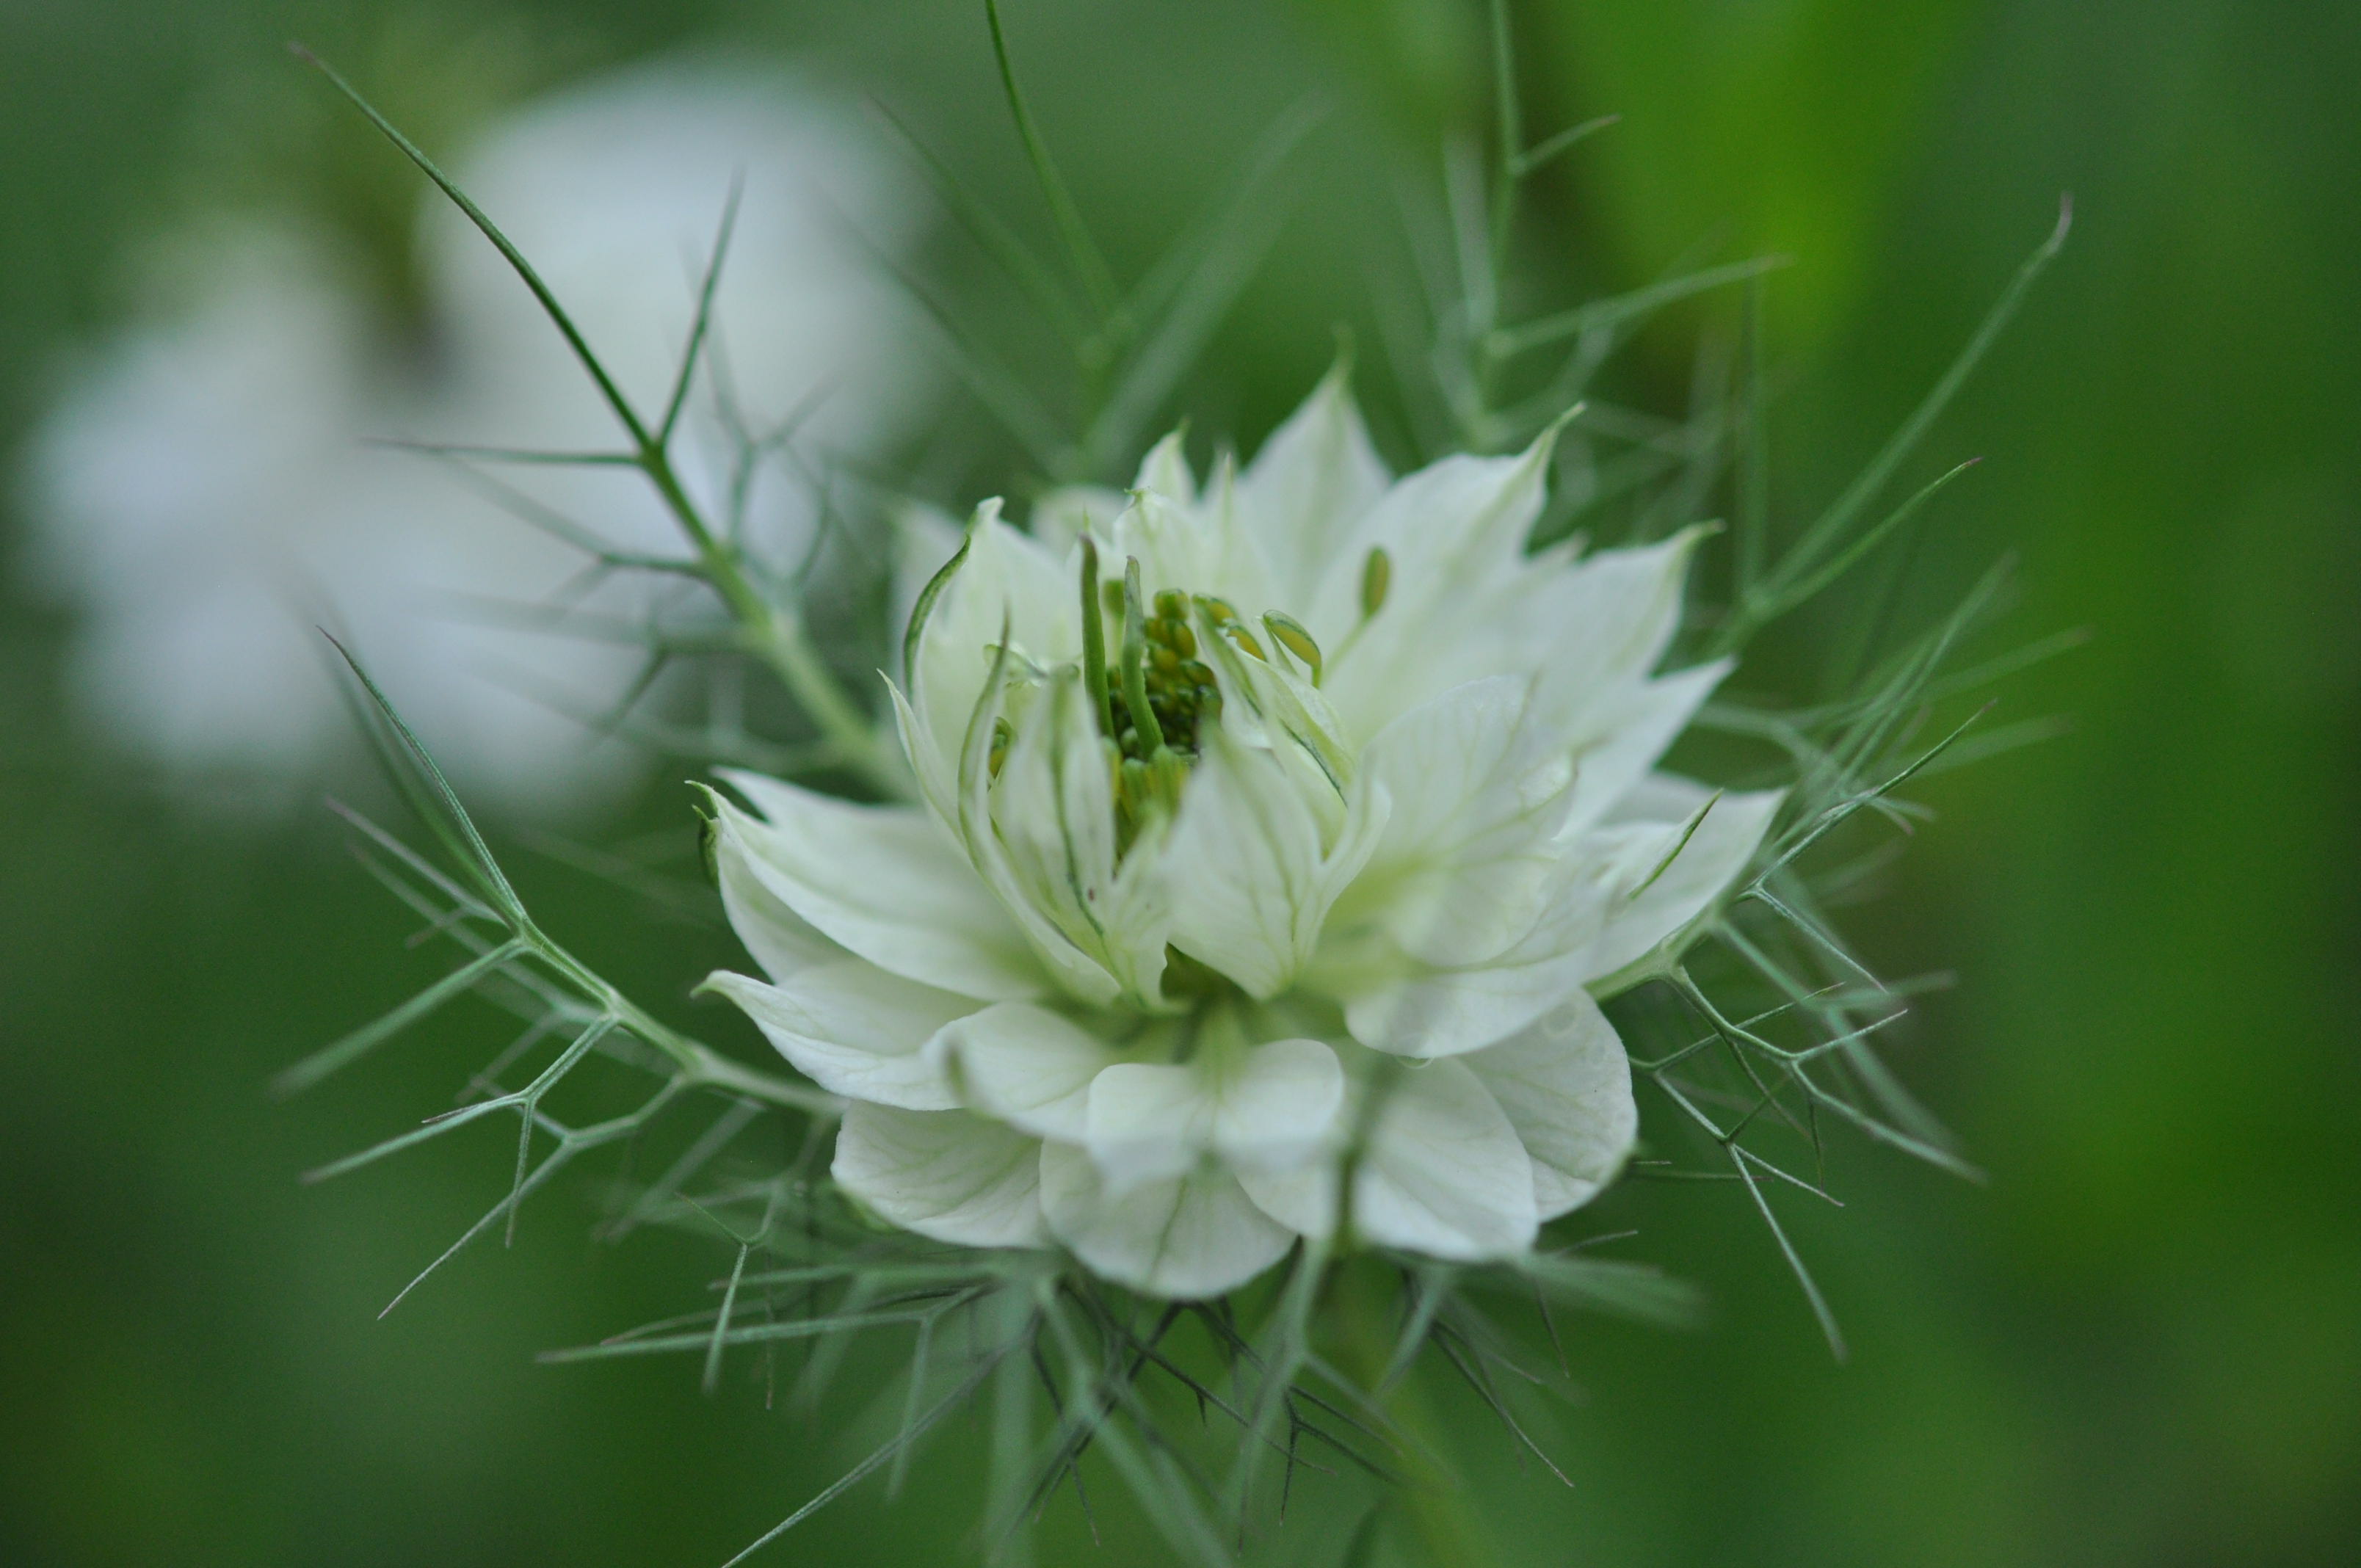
(1261, 886)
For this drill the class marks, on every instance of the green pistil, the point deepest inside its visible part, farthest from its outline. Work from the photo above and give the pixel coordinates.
(1169, 695)
(1154, 702)
(1376, 577)
(1146, 736)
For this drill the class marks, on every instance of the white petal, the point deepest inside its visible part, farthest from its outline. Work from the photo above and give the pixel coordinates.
(1273, 1109)
(1469, 847)
(885, 883)
(781, 941)
(1007, 583)
(1027, 1067)
(1449, 527)
(855, 1030)
(1587, 630)
(1193, 549)
(924, 539)
(1165, 471)
(1061, 517)
(1420, 1011)
(1312, 479)
(1184, 1239)
(1280, 1106)
(1621, 736)
(944, 1174)
(1444, 1174)
(1611, 616)
(1053, 807)
(1078, 972)
(1638, 924)
(1250, 883)
(1455, 532)
(1566, 1086)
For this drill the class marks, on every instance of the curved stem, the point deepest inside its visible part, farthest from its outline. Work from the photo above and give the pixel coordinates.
(1432, 1507)
(773, 633)
(700, 1065)
(770, 631)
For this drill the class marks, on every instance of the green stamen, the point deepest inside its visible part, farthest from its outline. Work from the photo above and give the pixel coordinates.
(1094, 670)
(1376, 577)
(1290, 635)
(1135, 662)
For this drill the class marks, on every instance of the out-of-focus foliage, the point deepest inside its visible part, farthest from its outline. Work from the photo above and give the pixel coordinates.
(2135, 1346)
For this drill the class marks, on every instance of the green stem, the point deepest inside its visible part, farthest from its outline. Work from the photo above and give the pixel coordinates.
(700, 1065)
(772, 633)
(1433, 1508)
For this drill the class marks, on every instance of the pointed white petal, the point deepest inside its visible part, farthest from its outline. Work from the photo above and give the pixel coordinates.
(1007, 583)
(1620, 735)
(1078, 972)
(1454, 533)
(855, 1030)
(1586, 630)
(1316, 475)
(1190, 549)
(1060, 517)
(1420, 1011)
(1612, 616)
(1182, 1239)
(1449, 527)
(1469, 849)
(885, 883)
(1053, 807)
(1640, 923)
(1268, 703)
(1165, 471)
(1566, 1086)
(1275, 1108)
(924, 539)
(781, 941)
(944, 1174)
(1027, 1067)
(1250, 883)
(1444, 1174)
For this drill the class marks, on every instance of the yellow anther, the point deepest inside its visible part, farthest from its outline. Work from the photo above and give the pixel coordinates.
(1376, 577)
(1290, 635)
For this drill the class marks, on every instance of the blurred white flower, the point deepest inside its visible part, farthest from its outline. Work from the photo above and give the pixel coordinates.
(206, 492)
(1304, 849)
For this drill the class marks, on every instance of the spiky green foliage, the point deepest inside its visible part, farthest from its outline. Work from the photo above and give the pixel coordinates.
(1760, 1033)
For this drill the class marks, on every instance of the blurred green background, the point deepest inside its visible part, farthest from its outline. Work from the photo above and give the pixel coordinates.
(2139, 1344)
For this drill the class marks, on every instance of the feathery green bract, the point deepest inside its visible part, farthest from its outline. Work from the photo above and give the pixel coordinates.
(768, 627)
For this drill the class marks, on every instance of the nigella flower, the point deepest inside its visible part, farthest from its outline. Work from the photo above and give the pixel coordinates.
(1277, 839)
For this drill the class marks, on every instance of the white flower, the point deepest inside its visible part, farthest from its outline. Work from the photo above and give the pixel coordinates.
(205, 493)
(1150, 1003)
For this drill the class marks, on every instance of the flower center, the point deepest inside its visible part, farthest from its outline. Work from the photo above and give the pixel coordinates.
(1181, 692)
(1153, 703)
